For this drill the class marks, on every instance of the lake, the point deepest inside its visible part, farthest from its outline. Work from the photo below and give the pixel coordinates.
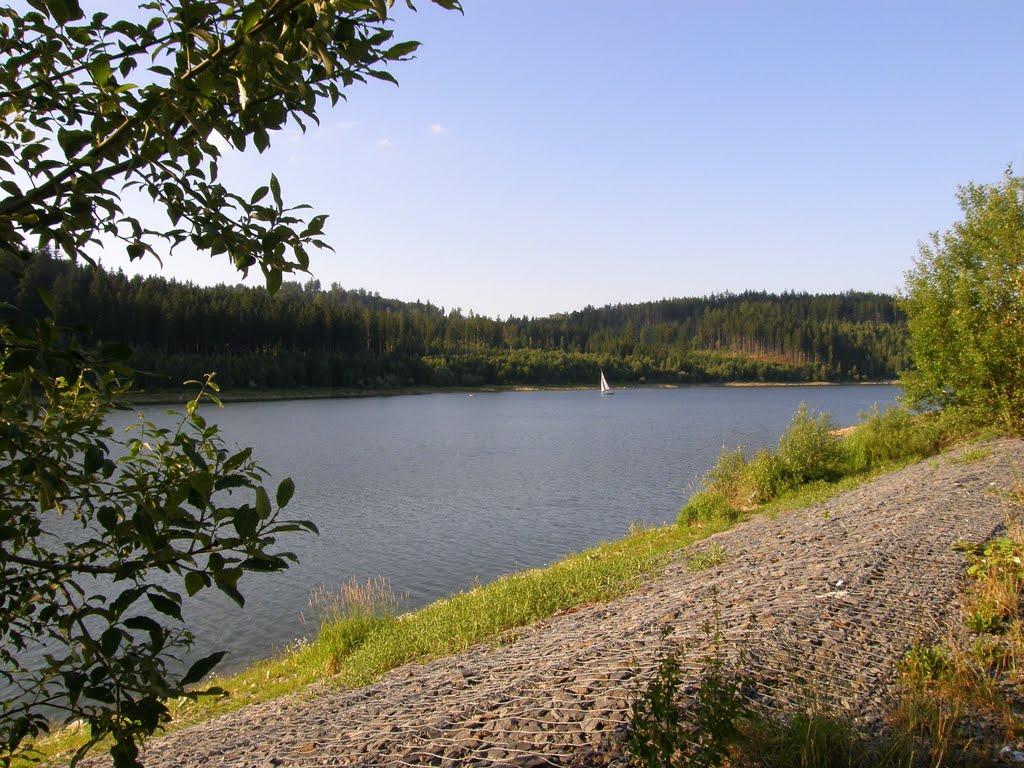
(436, 492)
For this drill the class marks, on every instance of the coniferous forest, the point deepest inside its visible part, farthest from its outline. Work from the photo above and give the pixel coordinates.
(308, 336)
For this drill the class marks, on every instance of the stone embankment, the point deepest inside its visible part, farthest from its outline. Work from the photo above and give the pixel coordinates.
(824, 601)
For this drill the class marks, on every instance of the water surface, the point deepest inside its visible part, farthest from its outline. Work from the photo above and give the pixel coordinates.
(436, 492)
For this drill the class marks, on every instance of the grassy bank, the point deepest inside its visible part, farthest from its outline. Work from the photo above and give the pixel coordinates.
(362, 635)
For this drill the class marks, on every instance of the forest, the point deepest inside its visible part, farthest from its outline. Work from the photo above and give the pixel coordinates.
(307, 336)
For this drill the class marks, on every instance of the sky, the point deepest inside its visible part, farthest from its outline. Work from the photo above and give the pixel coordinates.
(540, 156)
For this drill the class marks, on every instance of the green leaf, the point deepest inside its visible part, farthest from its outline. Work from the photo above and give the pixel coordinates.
(261, 139)
(245, 521)
(93, 459)
(285, 491)
(110, 640)
(262, 503)
(194, 582)
(202, 668)
(274, 278)
(234, 462)
(144, 623)
(380, 74)
(226, 580)
(275, 188)
(107, 517)
(100, 69)
(165, 605)
(251, 15)
(73, 142)
(202, 483)
(401, 50)
(64, 11)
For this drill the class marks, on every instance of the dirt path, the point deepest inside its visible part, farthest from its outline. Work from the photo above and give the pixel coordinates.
(838, 592)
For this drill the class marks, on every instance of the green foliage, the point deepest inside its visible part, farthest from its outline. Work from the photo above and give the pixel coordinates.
(305, 335)
(964, 302)
(813, 458)
(103, 536)
(765, 477)
(91, 104)
(656, 733)
(666, 733)
(928, 663)
(893, 434)
(809, 449)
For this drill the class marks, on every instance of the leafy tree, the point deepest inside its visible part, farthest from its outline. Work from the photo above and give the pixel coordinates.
(101, 536)
(964, 302)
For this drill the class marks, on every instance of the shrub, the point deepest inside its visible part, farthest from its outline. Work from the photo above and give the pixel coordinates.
(721, 491)
(891, 435)
(705, 507)
(766, 477)
(664, 733)
(810, 450)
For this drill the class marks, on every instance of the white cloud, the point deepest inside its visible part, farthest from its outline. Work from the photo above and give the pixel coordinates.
(346, 125)
(385, 143)
(437, 129)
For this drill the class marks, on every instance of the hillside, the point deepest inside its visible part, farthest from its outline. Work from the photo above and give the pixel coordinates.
(308, 336)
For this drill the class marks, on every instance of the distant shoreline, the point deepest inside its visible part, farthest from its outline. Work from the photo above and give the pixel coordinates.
(809, 383)
(312, 393)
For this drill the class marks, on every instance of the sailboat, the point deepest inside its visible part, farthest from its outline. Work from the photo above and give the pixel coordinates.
(605, 389)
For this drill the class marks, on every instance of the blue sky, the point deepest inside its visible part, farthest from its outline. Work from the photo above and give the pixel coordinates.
(542, 155)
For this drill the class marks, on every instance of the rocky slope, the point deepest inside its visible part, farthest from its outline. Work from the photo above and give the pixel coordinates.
(824, 602)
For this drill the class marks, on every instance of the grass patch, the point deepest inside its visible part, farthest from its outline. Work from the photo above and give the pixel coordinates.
(702, 560)
(970, 456)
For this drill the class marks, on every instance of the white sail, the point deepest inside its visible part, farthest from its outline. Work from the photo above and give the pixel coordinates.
(605, 389)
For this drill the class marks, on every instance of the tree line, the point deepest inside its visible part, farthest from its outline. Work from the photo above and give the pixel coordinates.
(309, 336)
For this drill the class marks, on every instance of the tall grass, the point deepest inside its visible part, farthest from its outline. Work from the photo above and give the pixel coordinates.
(811, 452)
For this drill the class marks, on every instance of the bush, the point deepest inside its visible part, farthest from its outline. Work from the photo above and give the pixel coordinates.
(766, 477)
(664, 733)
(707, 506)
(892, 435)
(810, 450)
(722, 489)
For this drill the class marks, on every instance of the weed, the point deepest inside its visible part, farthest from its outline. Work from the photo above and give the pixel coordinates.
(703, 559)
(927, 663)
(970, 456)
(664, 732)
